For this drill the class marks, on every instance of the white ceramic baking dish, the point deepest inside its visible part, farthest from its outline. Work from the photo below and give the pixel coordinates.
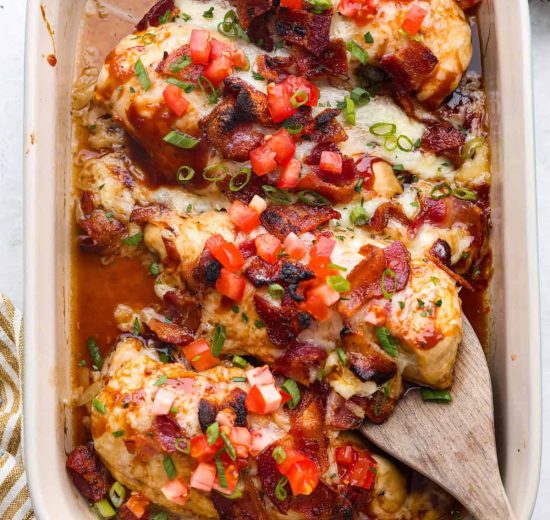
(515, 367)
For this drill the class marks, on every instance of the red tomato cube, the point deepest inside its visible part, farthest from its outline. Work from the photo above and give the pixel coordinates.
(231, 285)
(413, 20)
(331, 162)
(199, 355)
(294, 246)
(175, 100)
(283, 145)
(243, 216)
(200, 46)
(262, 160)
(278, 102)
(263, 399)
(268, 247)
(290, 175)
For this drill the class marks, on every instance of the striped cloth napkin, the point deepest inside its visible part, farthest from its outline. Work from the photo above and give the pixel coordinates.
(15, 503)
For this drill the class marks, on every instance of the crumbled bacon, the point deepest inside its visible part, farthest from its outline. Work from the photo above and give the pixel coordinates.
(304, 28)
(283, 323)
(88, 474)
(379, 221)
(261, 273)
(183, 309)
(373, 367)
(209, 408)
(247, 249)
(455, 276)
(104, 233)
(251, 104)
(144, 214)
(246, 194)
(259, 33)
(410, 66)
(248, 10)
(87, 203)
(442, 251)
(323, 504)
(248, 507)
(444, 139)
(172, 254)
(189, 73)
(297, 361)
(379, 406)
(325, 128)
(295, 218)
(171, 332)
(153, 16)
(205, 273)
(274, 68)
(333, 61)
(342, 414)
(165, 432)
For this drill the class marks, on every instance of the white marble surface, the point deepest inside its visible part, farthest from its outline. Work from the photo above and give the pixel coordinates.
(12, 21)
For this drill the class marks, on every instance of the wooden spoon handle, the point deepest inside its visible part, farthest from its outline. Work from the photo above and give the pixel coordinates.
(495, 507)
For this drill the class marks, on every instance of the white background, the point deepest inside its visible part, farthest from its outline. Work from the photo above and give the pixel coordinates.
(12, 42)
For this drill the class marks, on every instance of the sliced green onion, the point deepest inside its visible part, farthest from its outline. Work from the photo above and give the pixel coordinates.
(280, 489)
(257, 76)
(440, 191)
(312, 198)
(218, 340)
(237, 493)
(382, 395)
(180, 64)
(291, 388)
(337, 267)
(442, 396)
(209, 13)
(349, 110)
(238, 379)
(209, 90)
(358, 216)
(342, 355)
(276, 291)
(212, 433)
(293, 129)
(230, 27)
(160, 516)
(240, 179)
(470, 147)
(390, 143)
(387, 341)
(183, 446)
(169, 467)
(215, 172)
(165, 17)
(320, 5)
(148, 39)
(99, 406)
(368, 37)
(181, 139)
(137, 327)
(279, 454)
(356, 50)
(142, 75)
(118, 434)
(391, 274)
(382, 129)
(299, 98)
(360, 96)
(405, 144)
(338, 283)
(277, 195)
(359, 185)
(240, 362)
(117, 494)
(104, 509)
(184, 85)
(221, 472)
(228, 447)
(161, 380)
(133, 240)
(464, 194)
(185, 174)
(95, 354)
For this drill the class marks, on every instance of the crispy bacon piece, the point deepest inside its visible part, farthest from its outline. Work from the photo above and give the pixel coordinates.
(259, 33)
(103, 233)
(366, 277)
(153, 16)
(333, 61)
(171, 332)
(410, 66)
(189, 73)
(379, 406)
(144, 214)
(205, 273)
(323, 504)
(274, 68)
(247, 249)
(261, 273)
(325, 128)
(283, 323)
(251, 103)
(165, 432)
(342, 414)
(455, 276)
(304, 28)
(297, 218)
(379, 221)
(444, 139)
(248, 10)
(183, 309)
(442, 251)
(245, 195)
(269, 476)
(314, 157)
(297, 360)
(88, 473)
(209, 408)
(375, 368)
(87, 203)
(248, 507)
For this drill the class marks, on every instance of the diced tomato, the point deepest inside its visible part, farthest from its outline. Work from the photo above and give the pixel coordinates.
(414, 19)
(219, 48)
(297, 83)
(218, 69)
(203, 477)
(319, 300)
(232, 478)
(258, 204)
(243, 216)
(320, 266)
(331, 162)
(303, 477)
(362, 473)
(200, 46)
(262, 160)
(239, 59)
(283, 145)
(361, 10)
(268, 247)
(199, 355)
(231, 285)
(201, 450)
(294, 246)
(290, 174)
(263, 399)
(292, 4)
(345, 455)
(164, 399)
(240, 436)
(175, 100)
(260, 376)
(226, 253)
(278, 102)
(323, 246)
(285, 397)
(138, 504)
(327, 295)
(176, 491)
(291, 457)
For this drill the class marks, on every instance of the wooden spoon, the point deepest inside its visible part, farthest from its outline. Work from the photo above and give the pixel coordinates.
(452, 444)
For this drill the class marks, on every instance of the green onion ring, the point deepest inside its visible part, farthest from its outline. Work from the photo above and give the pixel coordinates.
(390, 273)
(312, 198)
(291, 388)
(117, 493)
(280, 491)
(299, 98)
(294, 130)
(409, 144)
(206, 85)
(390, 143)
(440, 191)
(209, 173)
(470, 147)
(233, 186)
(277, 195)
(148, 39)
(185, 174)
(187, 447)
(279, 454)
(382, 129)
(464, 194)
